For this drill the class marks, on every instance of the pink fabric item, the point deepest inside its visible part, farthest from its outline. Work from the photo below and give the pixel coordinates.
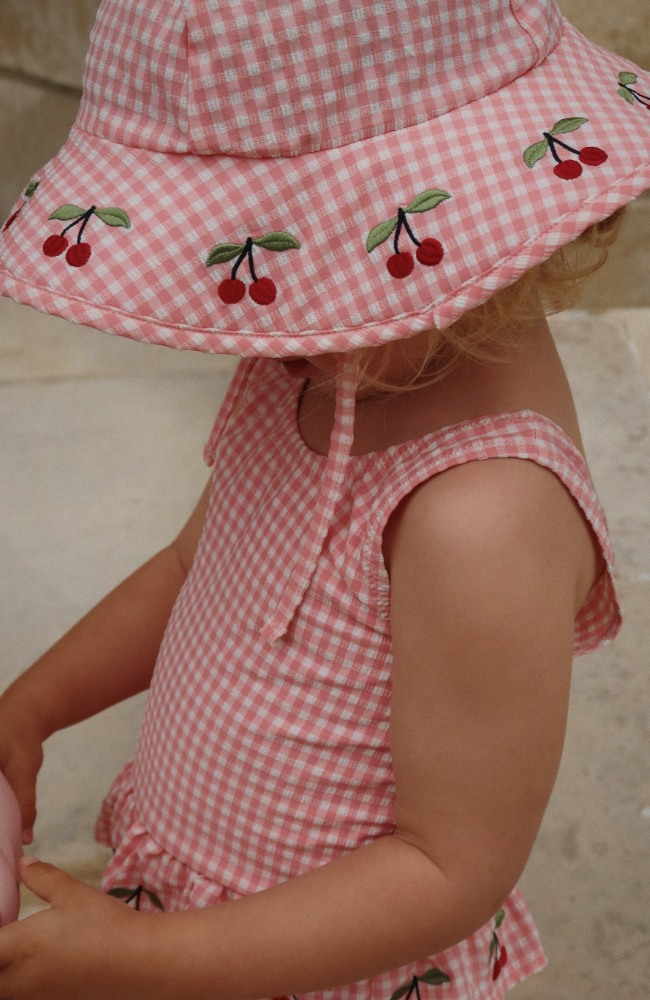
(10, 853)
(258, 762)
(338, 116)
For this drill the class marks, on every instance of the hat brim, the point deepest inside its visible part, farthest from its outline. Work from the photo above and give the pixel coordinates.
(150, 282)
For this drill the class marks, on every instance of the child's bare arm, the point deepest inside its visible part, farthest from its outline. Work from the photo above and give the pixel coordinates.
(488, 565)
(106, 657)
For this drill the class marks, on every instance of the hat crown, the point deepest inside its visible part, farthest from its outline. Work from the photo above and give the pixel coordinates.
(264, 78)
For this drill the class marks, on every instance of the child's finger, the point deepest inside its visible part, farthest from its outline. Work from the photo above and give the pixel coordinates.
(45, 881)
(22, 778)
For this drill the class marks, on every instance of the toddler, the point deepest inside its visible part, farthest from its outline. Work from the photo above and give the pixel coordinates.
(358, 649)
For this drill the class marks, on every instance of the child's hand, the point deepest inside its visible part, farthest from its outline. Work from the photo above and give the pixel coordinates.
(77, 950)
(21, 756)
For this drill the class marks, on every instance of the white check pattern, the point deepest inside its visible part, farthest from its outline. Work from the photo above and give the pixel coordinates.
(258, 762)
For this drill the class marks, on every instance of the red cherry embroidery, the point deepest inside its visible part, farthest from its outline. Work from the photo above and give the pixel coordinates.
(497, 951)
(10, 221)
(78, 254)
(231, 290)
(568, 170)
(54, 245)
(400, 265)
(263, 291)
(593, 156)
(430, 252)
(28, 192)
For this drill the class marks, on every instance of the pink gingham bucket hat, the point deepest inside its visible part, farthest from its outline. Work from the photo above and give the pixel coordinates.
(261, 177)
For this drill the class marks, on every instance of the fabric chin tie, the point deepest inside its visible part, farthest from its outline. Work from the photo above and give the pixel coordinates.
(234, 395)
(339, 451)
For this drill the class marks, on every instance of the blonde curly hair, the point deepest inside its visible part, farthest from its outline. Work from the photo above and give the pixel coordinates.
(489, 333)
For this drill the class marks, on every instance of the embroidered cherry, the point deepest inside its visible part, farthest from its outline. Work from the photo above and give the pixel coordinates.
(568, 170)
(10, 221)
(263, 290)
(29, 191)
(497, 951)
(79, 253)
(593, 156)
(54, 245)
(429, 251)
(231, 290)
(401, 264)
(626, 91)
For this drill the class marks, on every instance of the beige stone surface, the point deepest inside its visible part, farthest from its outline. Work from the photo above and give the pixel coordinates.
(587, 881)
(34, 124)
(620, 25)
(46, 39)
(625, 279)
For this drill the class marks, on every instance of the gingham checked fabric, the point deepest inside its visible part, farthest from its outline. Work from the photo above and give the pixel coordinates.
(258, 762)
(252, 78)
(491, 77)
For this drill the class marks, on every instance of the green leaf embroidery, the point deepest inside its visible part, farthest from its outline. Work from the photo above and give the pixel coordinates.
(626, 94)
(434, 977)
(492, 947)
(567, 125)
(31, 187)
(154, 899)
(535, 152)
(223, 252)
(427, 200)
(378, 235)
(400, 992)
(67, 212)
(114, 217)
(498, 919)
(120, 893)
(627, 78)
(278, 242)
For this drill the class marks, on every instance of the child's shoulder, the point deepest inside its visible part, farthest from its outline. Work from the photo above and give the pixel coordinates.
(502, 513)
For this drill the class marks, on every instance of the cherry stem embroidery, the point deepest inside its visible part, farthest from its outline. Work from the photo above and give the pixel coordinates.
(552, 141)
(401, 221)
(246, 252)
(641, 98)
(137, 895)
(84, 222)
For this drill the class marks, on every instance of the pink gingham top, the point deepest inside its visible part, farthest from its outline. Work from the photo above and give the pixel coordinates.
(258, 761)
